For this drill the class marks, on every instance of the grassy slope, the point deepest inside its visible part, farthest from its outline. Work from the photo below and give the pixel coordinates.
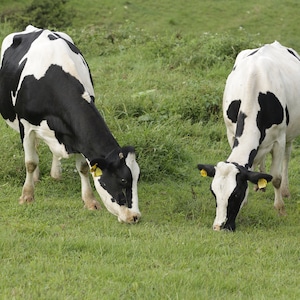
(55, 250)
(271, 19)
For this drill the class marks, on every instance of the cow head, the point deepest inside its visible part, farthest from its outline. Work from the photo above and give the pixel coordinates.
(115, 178)
(230, 189)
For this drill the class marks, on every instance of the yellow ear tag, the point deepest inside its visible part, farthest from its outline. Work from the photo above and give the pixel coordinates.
(97, 171)
(203, 173)
(262, 183)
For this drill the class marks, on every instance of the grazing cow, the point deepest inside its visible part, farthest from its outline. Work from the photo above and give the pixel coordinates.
(46, 92)
(261, 109)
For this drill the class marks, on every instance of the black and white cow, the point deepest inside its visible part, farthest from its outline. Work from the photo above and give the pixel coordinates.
(46, 92)
(261, 109)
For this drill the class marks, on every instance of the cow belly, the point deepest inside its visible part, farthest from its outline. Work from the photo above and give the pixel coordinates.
(47, 135)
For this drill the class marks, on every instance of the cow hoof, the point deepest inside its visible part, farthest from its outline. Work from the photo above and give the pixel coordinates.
(26, 199)
(285, 194)
(93, 205)
(281, 211)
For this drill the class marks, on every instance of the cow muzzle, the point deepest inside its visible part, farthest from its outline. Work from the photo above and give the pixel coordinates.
(224, 226)
(128, 216)
(217, 227)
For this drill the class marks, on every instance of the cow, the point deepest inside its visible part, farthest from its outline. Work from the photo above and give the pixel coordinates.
(261, 111)
(46, 93)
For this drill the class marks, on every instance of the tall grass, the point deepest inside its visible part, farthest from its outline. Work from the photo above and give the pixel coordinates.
(160, 89)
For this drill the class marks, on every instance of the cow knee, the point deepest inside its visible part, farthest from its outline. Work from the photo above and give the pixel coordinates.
(84, 168)
(30, 167)
(276, 182)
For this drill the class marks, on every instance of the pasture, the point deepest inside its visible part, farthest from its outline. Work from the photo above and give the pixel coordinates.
(159, 70)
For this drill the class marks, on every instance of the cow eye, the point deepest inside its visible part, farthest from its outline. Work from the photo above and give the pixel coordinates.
(124, 181)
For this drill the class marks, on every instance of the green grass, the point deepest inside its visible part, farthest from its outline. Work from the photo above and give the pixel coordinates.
(159, 86)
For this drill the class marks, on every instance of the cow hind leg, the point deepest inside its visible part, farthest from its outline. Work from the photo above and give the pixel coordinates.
(87, 194)
(31, 164)
(285, 192)
(56, 170)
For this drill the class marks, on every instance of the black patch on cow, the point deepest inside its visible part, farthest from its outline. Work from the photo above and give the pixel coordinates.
(270, 113)
(235, 200)
(293, 53)
(240, 124)
(52, 37)
(235, 143)
(287, 115)
(116, 178)
(233, 110)
(252, 53)
(239, 128)
(252, 155)
(10, 71)
(65, 111)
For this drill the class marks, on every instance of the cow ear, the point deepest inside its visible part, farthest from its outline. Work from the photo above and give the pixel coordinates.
(100, 163)
(127, 149)
(261, 179)
(207, 170)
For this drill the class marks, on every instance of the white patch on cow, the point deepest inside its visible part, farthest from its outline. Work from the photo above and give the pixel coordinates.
(31, 28)
(135, 171)
(47, 135)
(14, 125)
(223, 184)
(86, 96)
(44, 52)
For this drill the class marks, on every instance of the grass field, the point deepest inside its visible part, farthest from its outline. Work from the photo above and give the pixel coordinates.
(159, 70)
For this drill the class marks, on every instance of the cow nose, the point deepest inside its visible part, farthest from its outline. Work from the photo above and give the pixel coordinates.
(217, 227)
(135, 219)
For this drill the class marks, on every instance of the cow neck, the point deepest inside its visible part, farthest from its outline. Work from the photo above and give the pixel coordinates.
(245, 146)
(93, 138)
(102, 143)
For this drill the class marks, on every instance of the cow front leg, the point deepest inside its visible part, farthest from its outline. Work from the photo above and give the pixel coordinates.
(87, 194)
(31, 164)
